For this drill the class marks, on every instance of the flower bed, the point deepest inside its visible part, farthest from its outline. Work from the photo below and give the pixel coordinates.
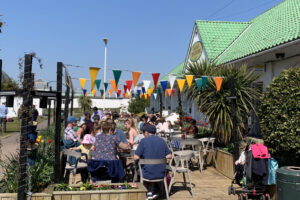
(101, 191)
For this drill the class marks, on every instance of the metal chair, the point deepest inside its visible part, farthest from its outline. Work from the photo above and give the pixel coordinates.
(207, 147)
(73, 167)
(153, 162)
(181, 166)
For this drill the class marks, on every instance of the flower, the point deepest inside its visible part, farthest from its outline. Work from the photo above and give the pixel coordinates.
(37, 140)
(82, 188)
(49, 141)
(132, 184)
(39, 137)
(42, 141)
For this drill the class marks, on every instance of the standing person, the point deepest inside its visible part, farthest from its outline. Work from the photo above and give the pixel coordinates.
(3, 113)
(97, 112)
(152, 147)
(35, 113)
(134, 136)
(70, 136)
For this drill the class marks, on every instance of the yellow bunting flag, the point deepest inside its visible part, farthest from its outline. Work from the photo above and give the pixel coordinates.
(135, 77)
(94, 92)
(113, 85)
(93, 72)
(180, 83)
(145, 95)
(169, 92)
(82, 82)
(218, 81)
(189, 80)
(150, 91)
(110, 92)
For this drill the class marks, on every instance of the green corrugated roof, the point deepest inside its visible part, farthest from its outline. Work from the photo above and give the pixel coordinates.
(218, 35)
(276, 26)
(176, 71)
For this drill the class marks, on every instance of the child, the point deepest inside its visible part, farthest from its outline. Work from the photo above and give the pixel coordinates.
(85, 147)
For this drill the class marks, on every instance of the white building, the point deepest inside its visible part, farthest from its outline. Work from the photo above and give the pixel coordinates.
(269, 43)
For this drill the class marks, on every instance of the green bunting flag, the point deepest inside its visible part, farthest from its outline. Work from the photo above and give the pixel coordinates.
(204, 81)
(101, 92)
(105, 86)
(158, 91)
(117, 75)
(199, 83)
(98, 82)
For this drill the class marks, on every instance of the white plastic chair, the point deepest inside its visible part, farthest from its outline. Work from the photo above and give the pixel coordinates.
(207, 147)
(181, 166)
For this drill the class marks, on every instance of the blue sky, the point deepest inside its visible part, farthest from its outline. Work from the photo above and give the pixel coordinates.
(146, 36)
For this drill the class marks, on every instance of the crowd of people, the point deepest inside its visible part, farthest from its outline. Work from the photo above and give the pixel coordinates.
(98, 132)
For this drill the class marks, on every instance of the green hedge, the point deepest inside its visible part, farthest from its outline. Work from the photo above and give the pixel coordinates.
(280, 117)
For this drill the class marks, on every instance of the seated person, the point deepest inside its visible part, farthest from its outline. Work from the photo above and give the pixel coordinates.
(117, 132)
(106, 144)
(134, 136)
(70, 136)
(192, 129)
(152, 147)
(85, 147)
(81, 130)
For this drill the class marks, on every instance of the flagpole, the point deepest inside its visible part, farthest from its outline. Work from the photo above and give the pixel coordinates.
(105, 40)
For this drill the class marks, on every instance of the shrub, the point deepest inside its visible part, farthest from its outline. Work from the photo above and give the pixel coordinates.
(203, 132)
(280, 117)
(138, 105)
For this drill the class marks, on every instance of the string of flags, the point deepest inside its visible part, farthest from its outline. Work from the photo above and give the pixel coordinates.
(131, 88)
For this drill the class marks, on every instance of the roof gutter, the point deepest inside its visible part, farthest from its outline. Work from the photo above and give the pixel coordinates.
(265, 51)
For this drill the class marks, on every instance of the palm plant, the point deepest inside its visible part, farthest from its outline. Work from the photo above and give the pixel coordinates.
(85, 103)
(216, 105)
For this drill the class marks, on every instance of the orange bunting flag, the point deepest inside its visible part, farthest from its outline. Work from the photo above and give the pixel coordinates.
(130, 95)
(218, 81)
(94, 92)
(180, 83)
(141, 95)
(113, 85)
(189, 80)
(82, 82)
(135, 77)
(93, 72)
(169, 92)
(110, 92)
(86, 94)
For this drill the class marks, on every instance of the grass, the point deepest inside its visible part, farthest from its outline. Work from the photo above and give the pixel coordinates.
(15, 126)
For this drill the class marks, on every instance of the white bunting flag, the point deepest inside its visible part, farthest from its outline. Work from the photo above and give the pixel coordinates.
(146, 84)
(155, 95)
(172, 79)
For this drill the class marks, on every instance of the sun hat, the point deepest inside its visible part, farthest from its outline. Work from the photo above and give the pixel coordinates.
(149, 128)
(72, 119)
(81, 123)
(87, 139)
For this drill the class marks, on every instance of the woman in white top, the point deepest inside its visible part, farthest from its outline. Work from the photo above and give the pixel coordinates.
(134, 136)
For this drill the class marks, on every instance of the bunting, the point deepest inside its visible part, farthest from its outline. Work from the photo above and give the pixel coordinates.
(169, 92)
(146, 84)
(150, 91)
(180, 83)
(135, 77)
(158, 91)
(84, 92)
(94, 92)
(93, 72)
(117, 75)
(129, 84)
(155, 95)
(113, 85)
(98, 82)
(172, 79)
(143, 90)
(82, 82)
(105, 86)
(218, 81)
(110, 92)
(173, 92)
(125, 88)
(204, 81)
(164, 85)
(101, 92)
(199, 83)
(138, 92)
(119, 93)
(189, 80)
(155, 77)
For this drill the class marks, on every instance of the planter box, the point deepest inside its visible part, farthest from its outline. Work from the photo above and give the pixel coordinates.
(225, 162)
(36, 196)
(130, 194)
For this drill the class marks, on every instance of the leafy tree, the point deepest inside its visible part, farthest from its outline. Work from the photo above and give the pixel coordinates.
(216, 105)
(85, 103)
(9, 85)
(138, 105)
(280, 117)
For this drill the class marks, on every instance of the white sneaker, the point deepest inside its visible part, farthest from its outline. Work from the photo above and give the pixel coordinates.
(149, 195)
(155, 196)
